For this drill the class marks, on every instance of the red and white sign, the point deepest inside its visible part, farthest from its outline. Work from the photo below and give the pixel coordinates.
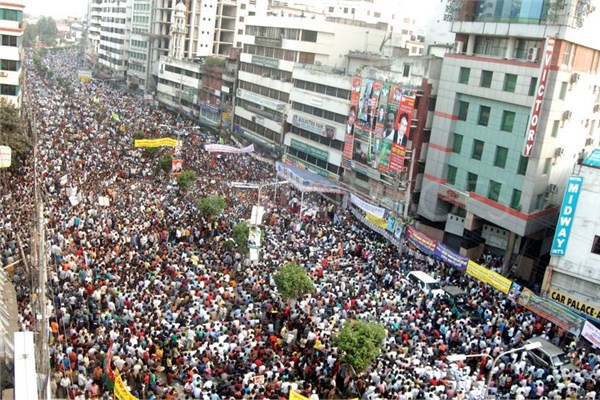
(591, 333)
(534, 121)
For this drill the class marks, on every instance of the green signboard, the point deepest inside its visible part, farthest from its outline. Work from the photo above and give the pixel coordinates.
(265, 61)
(310, 150)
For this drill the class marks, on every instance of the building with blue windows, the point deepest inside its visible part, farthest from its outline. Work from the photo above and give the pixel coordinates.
(517, 102)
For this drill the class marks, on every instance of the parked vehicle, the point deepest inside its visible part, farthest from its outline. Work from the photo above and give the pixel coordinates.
(426, 283)
(548, 355)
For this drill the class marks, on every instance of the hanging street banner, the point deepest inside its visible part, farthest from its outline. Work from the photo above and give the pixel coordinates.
(222, 148)
(591, 333)
(488, 276)
(450, 258)
(378, 212)
(162, 142)
(566, 216)
(120, 392)
(421, 241)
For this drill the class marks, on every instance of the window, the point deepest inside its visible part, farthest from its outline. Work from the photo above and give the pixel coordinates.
(508, 121)
(331, 9)
(540, 200)
(532, 86)
(484, 115)
(8, 40)
(555, 126)
(596, 245)
(241, 19)
(522, 168)
(563, 90)
(377, 14)
(486, 79)
(477, 149)
(494, 190)
(345, 10)
(510, 83)
(547, 165)
(500, 157)
(240, 31)
(464, 75)
(471, 182)
(406, 70)
(9, 65)
(309, 36)
(515, 200)
(451, 177)
(9, 90)
(463, 110)
(566, 58)
(243, 6)
(457, 143)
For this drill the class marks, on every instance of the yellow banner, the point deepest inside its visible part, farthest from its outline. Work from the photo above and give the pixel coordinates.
(121, 392)
(483, 274)
(375, 220)
(162, 142)
(574, 303)
(296, 396)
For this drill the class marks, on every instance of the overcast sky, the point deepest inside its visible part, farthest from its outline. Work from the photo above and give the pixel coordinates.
(56, 8)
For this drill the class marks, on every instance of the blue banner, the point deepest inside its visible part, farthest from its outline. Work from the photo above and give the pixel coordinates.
(566, 216)
(450, 258)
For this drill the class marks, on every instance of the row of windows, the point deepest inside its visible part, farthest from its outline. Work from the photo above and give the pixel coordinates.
(139, 43)
(9, 65)
(259, 129)
(120, 21)
(323, 89)
(273, 32)
(11, 15)
(319, 112)
(118, 31)
(9, 90)
(500, 155)
(112, 50)
(141, 7)
(265, 91)
(509, 85)
(138, 56)
(112, 40)
(314, 161)
(506, 124)
(260, 110)
(280, 54)
(121, 10)
(272, 73)
(112, 60)
(315, 137)
(9, 40)
(137, 67)
(182, 71)
(141, 19)
(494, 187)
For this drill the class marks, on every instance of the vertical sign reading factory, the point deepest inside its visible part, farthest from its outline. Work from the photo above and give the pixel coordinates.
(566, 216)
(534, 121)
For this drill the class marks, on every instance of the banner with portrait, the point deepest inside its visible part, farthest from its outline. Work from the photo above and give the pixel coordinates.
(350, 122)
(363, 119)
(382, 110)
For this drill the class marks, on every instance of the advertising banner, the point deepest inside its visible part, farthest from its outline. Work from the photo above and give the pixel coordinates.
(222, 148)
(375, 220)
(366, 207)
(382, 110)
(566, 216)
(422, 241)
(553, 312)
(591, 333)
(450, 258)
(574, 303)
(488, 276)
(364, 105)
(350, 123)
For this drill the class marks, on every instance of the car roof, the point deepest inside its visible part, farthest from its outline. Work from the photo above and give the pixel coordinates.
(422, 276)
(454, 291)
(547, 346)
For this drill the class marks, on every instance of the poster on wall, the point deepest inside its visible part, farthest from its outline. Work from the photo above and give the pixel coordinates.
(350, 122)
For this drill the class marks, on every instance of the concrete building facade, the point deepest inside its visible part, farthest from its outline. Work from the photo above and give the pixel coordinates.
(514, 108)
(11, 51)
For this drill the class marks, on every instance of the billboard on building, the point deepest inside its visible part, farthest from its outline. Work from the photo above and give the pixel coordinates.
(566, 216)
(350, 122)
(536, 110)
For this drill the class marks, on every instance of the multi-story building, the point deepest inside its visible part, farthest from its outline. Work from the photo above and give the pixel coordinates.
(515, 105)
(573, 276)
(139, 68)
(273, 46)
(113, 47)
(93, 30)
(11, 51)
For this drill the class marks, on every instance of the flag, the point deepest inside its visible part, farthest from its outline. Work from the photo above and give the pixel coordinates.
(213, 160)
(115, 116)
(109, 355)
(384, 41)
(120, 392)
(296, 396)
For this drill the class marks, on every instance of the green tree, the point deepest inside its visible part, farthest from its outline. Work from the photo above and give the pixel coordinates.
(239, 233)
(211, 206)
(186, 179)
(292, 281)
(360, 342)
(47, 31)
(30, 35)
(166, 163)
(12, 130)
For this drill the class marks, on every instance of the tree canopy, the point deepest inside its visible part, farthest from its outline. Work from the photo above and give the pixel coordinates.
(186, 179)
(211, 206)
(292, 281)
(239, 235)
(12, 130)
(360, 342)
(44, 30)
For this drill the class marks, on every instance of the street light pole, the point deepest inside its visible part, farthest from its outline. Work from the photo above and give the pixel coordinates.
(461, 357)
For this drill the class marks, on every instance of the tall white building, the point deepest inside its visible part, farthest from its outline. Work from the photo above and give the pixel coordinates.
(11, 51)
(139, 68)
(113, 47)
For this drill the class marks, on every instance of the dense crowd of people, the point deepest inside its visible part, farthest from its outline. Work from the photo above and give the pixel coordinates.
(148, 286)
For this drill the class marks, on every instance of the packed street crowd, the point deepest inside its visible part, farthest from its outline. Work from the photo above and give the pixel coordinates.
(150, 283)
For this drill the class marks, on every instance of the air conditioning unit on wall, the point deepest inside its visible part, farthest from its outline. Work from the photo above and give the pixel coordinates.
(532, 54)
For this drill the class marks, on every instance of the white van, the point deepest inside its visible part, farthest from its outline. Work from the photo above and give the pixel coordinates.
(426, 283)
